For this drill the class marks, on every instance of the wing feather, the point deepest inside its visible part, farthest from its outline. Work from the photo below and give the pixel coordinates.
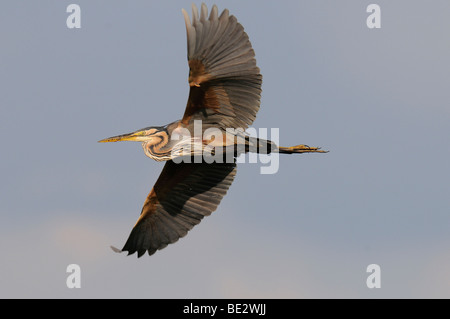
(183, 195)
(225, 82)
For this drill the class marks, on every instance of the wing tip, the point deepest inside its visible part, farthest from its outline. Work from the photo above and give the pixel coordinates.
(116, 250)
(194, 14)
(187, 20)
(214, 15)
(203, 12)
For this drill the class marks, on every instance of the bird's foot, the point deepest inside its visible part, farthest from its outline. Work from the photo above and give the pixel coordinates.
(301, 149)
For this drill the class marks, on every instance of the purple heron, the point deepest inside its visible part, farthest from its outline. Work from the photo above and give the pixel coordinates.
(225, 90)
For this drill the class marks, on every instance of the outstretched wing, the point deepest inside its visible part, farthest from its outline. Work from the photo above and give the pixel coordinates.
(183, 194)
(225, 83)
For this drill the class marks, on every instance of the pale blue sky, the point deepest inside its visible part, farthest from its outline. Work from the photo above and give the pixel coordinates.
(377, 99)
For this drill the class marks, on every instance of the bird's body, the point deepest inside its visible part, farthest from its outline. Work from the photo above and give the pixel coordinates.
(200, 148)
(179, 142)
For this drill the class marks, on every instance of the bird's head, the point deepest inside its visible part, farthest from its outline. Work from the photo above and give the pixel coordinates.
(152, 135)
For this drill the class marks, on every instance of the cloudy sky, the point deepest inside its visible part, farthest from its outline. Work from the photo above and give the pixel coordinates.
(377, 99)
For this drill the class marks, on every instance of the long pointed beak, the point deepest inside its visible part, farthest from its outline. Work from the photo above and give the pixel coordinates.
(137, 136)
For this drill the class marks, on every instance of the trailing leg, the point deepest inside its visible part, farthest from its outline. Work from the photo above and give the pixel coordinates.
(300, 149)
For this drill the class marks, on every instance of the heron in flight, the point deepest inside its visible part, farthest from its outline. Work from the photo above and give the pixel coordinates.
(225, 91)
